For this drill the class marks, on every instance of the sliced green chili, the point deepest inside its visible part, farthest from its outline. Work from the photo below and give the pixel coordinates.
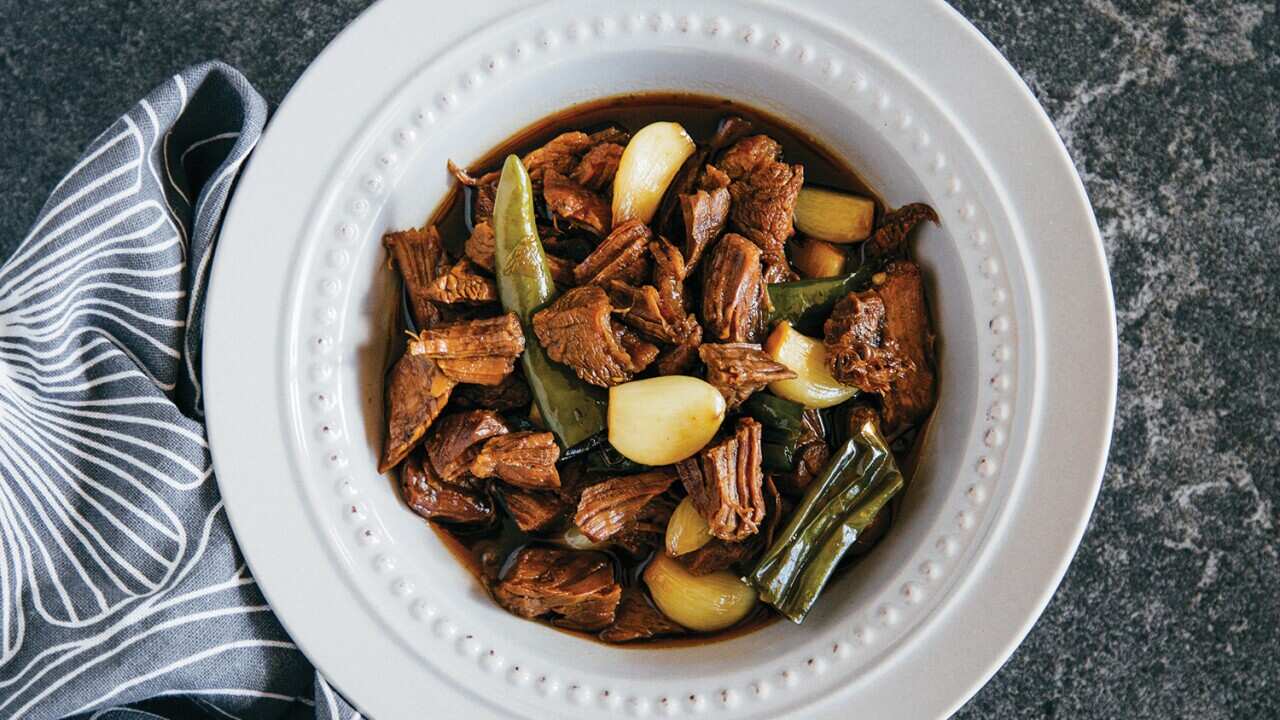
(838, 506)
(569, 408)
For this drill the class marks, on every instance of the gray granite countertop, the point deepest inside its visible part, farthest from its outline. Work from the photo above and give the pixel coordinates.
(1171, 111)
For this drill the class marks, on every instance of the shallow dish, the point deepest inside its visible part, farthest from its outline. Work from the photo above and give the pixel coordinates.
(914, 97)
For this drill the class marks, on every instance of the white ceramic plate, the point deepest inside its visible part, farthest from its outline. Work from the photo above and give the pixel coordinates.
(301, 305)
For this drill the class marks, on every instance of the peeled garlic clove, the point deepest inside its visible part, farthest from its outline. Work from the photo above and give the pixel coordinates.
(834, 216)
(699, 602)
(813, 386)
(663, 420)
(648, 163)
(687, 530)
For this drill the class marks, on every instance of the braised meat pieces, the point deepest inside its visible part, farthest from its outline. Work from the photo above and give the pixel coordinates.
(578, 330)
(858, 354)
(481, 351)
(523, 459)
(906, 324)
(764, 191)
(567, 532)
(726, 483)
(739, 370)
(733, 292)
(576, 588)
(608, 507)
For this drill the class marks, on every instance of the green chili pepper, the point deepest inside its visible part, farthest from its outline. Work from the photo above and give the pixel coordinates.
(783, 423)
(838, 506)
(807, 303)
(778, 457)
(568, 407)
(775, 413)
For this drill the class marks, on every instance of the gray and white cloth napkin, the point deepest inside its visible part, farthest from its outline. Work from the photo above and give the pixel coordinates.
(122, 592)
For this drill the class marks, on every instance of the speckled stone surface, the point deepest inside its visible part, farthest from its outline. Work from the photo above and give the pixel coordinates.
(1171, 111)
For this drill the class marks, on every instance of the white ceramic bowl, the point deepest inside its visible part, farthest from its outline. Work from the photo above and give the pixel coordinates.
(301, 305)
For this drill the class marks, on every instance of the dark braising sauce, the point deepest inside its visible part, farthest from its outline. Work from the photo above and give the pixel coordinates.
(487, 551)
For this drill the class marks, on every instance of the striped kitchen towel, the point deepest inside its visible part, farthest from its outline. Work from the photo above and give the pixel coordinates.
(122, 592)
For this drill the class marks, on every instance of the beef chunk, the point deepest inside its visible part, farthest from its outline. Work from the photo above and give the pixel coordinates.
(484, 191)
(510, 394)
(638, 307)
(457, 440)
(733, 292)
(764, 191)
(705, 214)
(462, 284)
(719, 555)
(481, 245)
(608, 507)
(418, 255)
(599, 166)
(638, 619)
(778, 270)
(436, 499)
(680, 359)
(858, 354)
(480, 351)
(576, 588)
(562, 271)
(890, 238)
(649, 530)
(669, 273)
(416, 392)
(617, 256)
(575, 203)
(523, 459)
(739, 370)
(532, 510)
(726, 483)
(906, 323)
(713, 178)
(560, 155)
(578, 330)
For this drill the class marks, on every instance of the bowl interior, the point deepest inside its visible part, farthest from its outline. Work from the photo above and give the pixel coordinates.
(492, 116)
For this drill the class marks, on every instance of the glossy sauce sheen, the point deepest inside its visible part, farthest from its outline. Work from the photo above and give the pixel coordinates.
(488, 551)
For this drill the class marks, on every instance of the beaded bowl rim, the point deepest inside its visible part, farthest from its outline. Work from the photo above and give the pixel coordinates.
(320, 425)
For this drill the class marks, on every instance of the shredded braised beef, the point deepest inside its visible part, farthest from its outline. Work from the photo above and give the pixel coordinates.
(621, 256)
(764, 192)
(598, 166)
(726, 483)
(462, 284)
(579, 206)
(858, 354)
(481, 351)
(633, 300)
(530, 509)
(638, 619)
(418, 255)
(705, 214)
(437, 499)
(524, 459)
(608, 507)
(511, 393)
(578, 330)
(890, 237)
(739, 370)
(910, 397)
(417, 391)
(457, 440)
(733, 292)
(576, 588)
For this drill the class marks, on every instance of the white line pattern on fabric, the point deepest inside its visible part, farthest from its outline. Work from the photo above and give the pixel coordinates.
(119, 577)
